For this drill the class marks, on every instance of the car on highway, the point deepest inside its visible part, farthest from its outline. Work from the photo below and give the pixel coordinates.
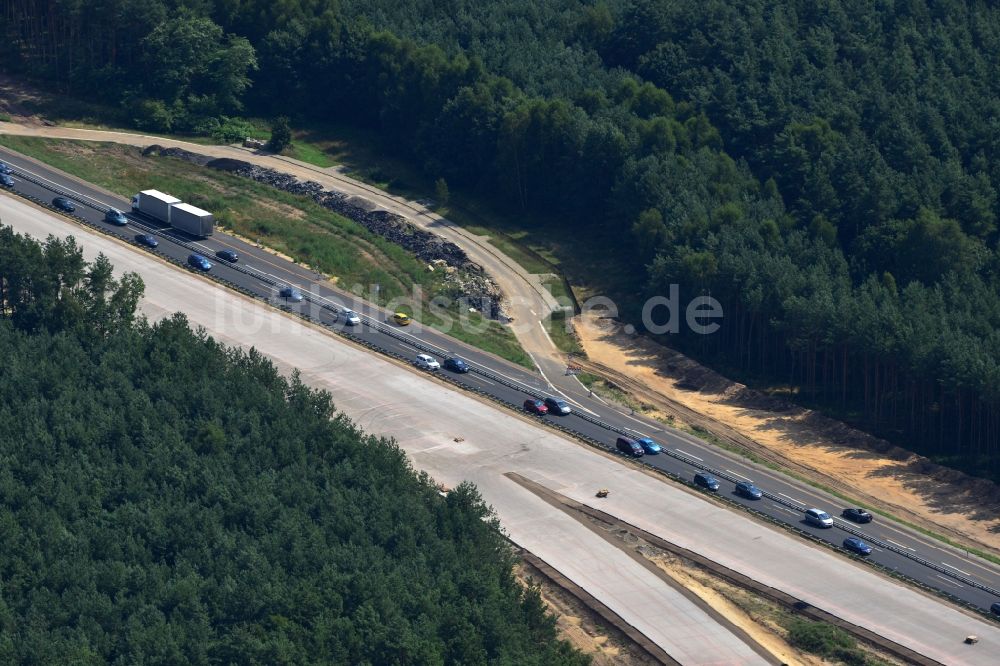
(819, 518)
(228, 255)
(706, 480)
(115, 217)
(426, 362)
(557, 406)
(748, 490)
(856, 545)
(857, 515)
(629, 447)
(350, 317)
(401, 318)
(535, 406)
(455, 364)
(649, 446)
(64, 204)
(199, 262)
(4, 169)
(291, 294)
(995, 608)
(147, 240)
(6, 180)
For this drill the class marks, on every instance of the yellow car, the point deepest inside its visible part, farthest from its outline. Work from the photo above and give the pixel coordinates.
(401, 318)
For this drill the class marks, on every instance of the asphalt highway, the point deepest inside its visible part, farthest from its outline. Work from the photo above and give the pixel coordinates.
(965, 578)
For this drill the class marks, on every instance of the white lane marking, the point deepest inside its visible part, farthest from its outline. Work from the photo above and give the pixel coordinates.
(482, 379)
(516, 381)
(949, 580)
(688, 454)
(738, 474)
(589, 391)
(539, 367)
(956, 569)
(63, 188)
(899, 544)
(792, 498)
(784, 508)
(643, 423)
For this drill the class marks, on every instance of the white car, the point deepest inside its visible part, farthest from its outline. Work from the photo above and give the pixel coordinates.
(819, 518)
(425, 362)
(350, 317)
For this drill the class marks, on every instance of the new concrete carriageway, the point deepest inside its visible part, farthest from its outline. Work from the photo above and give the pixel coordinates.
(456, 437)
(898, 548)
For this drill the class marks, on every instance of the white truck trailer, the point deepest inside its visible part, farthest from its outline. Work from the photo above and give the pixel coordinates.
(194, 221)
(171, 210)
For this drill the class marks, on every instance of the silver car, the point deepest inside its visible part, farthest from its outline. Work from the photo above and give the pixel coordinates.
(819, 518)
(425, 362)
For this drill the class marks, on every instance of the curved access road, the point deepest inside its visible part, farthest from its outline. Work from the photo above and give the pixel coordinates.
(456, 437)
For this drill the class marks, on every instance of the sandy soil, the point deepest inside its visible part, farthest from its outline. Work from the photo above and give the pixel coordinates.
(580, 626)
(765, 632)
(909, 486)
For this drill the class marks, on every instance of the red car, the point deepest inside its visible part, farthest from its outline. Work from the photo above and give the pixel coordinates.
(535, 406)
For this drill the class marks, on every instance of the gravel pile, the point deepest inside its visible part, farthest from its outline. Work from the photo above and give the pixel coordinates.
(466, 277)
(179, 153)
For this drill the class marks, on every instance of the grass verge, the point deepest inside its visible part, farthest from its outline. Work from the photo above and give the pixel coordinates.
(365, 158)
(561, 332)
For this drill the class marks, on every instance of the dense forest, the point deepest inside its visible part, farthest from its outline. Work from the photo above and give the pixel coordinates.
(828, 171)
(166, 500)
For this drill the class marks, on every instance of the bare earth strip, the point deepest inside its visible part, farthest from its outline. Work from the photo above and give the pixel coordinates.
(899, 482)
(455, 438)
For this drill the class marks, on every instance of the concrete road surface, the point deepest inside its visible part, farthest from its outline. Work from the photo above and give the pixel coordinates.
(376, 393)
(426, 417)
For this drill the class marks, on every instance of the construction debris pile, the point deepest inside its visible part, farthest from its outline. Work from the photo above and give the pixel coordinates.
(468, 282)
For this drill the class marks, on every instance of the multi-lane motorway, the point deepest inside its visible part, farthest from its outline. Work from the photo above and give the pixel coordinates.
(935, 565)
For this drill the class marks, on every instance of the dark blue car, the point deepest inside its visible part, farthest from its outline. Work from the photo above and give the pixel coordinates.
(748, 490)
(6, 180)
(706, 480)
(557, 406)
(4, 168)
(199, 262)
(455, 364)
(228, 255)
(147, 240)
(289, 294)
(64, 204)
(857, 546)
(857, 515)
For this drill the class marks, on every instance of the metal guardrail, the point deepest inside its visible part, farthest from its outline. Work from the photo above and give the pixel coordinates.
(373, 323)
